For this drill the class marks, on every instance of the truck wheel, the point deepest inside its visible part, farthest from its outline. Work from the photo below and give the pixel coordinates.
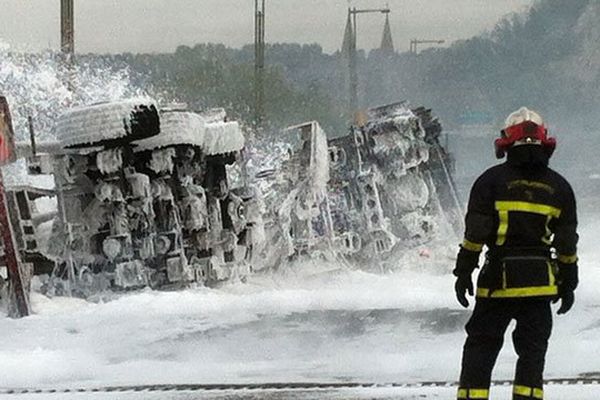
(107, 124)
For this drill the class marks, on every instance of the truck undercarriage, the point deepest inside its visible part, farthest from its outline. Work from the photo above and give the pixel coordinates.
(146, 197)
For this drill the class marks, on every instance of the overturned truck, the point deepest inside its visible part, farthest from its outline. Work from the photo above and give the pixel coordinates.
(383, 187)
(144, 199)
(161, 198)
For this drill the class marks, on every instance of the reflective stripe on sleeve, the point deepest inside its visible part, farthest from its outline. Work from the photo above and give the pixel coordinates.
(473, 394)
(472, 246)
(570, 259)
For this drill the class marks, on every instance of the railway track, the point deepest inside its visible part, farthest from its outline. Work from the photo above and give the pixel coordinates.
(275, 386)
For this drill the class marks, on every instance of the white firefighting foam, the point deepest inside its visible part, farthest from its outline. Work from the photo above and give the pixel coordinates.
(36, 85)
(317, 322)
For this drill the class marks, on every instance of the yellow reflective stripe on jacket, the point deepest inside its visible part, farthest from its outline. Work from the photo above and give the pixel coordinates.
(503, 208)
(472, 246)
(571, 259)
(502, 227)
(527, 391)
(473, 394)
(551, 277)
(548, 236)
(529, 291)
(525, 206)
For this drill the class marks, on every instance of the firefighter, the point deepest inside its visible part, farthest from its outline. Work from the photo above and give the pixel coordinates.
(524, 213)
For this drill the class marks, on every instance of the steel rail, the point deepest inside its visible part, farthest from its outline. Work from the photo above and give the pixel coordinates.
(277, 386)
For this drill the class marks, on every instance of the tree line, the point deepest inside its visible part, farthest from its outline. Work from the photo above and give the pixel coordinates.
(545, 58)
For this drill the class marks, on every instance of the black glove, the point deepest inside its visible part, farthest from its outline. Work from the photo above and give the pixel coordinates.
(568, 277)
(567, 298)
(567, 282)
(466, 262)
(463, 285)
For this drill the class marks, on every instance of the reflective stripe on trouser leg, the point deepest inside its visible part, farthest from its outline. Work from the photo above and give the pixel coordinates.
(525, 392)
(473, 394)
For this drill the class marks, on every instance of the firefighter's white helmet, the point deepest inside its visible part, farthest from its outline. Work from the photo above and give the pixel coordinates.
(523, 126)
(521, 115)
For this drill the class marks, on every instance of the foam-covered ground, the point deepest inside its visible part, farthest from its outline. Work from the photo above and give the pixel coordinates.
(310, 324)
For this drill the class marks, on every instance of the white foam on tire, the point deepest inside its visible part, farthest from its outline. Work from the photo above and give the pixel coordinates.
(104, 121)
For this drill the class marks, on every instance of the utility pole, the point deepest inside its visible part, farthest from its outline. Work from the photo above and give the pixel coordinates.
(67, 29)
(259, 64)
(352, 57)
(67, 40)
(415, 42)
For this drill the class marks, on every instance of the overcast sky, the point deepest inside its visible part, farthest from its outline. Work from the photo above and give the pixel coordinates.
(162, 25)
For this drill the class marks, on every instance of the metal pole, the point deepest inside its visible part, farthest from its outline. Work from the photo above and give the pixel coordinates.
(32, 136)
(261, 91)
(450, 181)
(256, 39)
(353, 69)
(259, 63)
(67, 40)
(67, 28)
(353, 58)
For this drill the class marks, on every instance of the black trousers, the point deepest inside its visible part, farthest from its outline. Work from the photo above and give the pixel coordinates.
(486, 329)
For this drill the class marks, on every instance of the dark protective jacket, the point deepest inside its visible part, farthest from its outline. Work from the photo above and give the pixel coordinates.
(525, 214)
